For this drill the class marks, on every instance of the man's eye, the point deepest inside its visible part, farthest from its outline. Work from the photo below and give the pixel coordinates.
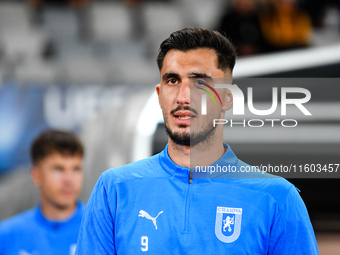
(172, 81)
(77, 169)
(200, 82)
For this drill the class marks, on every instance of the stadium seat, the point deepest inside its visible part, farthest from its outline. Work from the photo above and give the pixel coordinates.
(161, 19)
(13, 16)
(36, 71)
(110, 21)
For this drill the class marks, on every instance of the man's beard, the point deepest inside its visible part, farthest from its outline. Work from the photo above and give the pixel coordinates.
(188, 138)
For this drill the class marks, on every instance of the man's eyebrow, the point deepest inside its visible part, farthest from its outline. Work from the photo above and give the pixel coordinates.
(199, 75)
(170, 75)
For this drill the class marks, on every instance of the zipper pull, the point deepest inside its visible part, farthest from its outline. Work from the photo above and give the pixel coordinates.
(190, 176)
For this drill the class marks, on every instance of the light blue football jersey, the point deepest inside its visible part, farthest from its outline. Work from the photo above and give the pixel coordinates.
(30, 233)
(153, 207)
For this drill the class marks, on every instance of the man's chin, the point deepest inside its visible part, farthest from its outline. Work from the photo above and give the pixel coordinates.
(179, 137)
(187, 137)
(65, 205)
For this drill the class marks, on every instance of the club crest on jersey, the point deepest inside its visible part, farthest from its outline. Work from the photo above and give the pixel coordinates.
(228, 223)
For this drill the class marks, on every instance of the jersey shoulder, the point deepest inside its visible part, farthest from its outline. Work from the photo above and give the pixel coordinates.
(267, 184)
(146, 168)
(18, 222)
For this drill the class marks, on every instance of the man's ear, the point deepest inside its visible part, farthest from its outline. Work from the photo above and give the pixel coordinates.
(158, 88)
(228, 100)
(35, 176)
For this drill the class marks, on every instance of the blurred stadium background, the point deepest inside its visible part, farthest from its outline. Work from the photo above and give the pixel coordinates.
(89, 66)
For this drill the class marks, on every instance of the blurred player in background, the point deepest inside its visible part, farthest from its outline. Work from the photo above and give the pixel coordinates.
(52, 226)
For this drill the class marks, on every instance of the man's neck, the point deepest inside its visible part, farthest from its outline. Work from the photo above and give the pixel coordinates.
(179, 154)
(57, 213)
(203, 154)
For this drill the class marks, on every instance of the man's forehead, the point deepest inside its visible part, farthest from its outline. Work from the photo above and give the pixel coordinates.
(60, 157)
(188, 62)
(204, 53)
(195, 72)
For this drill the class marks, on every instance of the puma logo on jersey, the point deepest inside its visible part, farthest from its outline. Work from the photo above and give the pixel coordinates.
(146, 215)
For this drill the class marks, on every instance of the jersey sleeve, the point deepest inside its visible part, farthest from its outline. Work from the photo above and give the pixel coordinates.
(96, 235)
(3, 240)
(292, 231)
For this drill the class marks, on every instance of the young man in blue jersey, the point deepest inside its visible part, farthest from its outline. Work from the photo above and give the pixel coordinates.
(52, 226)
(157, 206)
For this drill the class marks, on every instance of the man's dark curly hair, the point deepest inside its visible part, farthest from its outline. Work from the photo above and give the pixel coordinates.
(51, 141)
(198, 38)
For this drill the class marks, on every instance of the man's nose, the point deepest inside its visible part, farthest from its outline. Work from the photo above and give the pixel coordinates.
(68, 177)
(183, 97)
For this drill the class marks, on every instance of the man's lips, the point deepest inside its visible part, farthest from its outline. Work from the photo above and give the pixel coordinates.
(184, 115)
(67, 192)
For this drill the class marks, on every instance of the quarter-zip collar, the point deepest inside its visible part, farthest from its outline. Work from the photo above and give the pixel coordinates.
(228, 158)
(56, 225)
(171, 167)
